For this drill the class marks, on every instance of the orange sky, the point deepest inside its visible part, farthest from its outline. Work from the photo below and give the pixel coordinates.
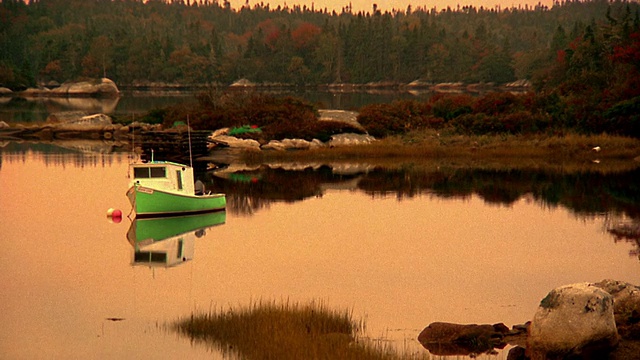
(388, 5)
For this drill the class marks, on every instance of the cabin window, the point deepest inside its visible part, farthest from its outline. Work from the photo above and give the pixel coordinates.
(141, 173)
(157, 172)
(179, 249)
(142, 256)
(150, 257)
(179, 177)
(149, 172)
(158, 257)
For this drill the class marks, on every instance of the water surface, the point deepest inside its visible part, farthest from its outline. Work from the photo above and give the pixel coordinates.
(399, 248)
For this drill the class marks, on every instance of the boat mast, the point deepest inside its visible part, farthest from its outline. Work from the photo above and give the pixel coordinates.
(189, 135)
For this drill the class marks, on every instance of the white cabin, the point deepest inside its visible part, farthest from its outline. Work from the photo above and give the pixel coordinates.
(168, 252)
(164, 175)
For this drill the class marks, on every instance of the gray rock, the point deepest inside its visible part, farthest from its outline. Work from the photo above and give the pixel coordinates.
(274, 145)
(289, 144)
(234, 142)
(223, 131)
(243, 83)
(89, 122)
(349, 139)
(626, 306)
(442, 338)
(66, 116)
(87, 88)
(572, 320)
(344, 116)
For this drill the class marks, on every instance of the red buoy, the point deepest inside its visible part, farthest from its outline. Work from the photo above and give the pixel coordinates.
(114, 215)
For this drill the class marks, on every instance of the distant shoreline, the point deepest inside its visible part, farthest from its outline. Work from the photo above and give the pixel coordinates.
(49, 90)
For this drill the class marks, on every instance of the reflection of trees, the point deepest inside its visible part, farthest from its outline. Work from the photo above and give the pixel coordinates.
(581, 192)
(20, 110)
(51, 154)
(254, 190)
(625, 230)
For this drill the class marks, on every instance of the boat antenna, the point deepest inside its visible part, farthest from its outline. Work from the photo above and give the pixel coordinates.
(189, 136)
(132, 154)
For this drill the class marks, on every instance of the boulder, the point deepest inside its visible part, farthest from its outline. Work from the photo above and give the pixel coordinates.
(349, 139)
(234, 142)
(5, 91)
(35, 92)
(573, 320)
(626, 306)
(102, 87)
(242, 83)
(292, 144)
(65, 116)
(442, 338)
(88, 122)
(344, 116)
(287, 144)
(223, 131)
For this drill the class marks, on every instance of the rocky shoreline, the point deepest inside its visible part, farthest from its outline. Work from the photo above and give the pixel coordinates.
(91, 88)
(77, 125)
(578, 321)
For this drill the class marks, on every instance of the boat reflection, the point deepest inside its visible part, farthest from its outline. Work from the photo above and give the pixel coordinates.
(169, 241)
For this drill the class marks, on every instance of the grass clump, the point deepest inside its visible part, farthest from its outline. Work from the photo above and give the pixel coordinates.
(434, 144)
(266, 330)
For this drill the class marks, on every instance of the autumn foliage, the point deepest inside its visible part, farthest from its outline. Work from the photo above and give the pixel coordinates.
(278, 118)
(592, 87)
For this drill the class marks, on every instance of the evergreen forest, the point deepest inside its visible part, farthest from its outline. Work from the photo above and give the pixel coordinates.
(189, 42)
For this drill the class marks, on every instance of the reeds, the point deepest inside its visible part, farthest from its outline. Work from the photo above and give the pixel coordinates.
(430, 147)
(267, 330)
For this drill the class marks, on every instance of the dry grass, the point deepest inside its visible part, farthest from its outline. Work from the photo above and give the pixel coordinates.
(266, 330)
(430, 148)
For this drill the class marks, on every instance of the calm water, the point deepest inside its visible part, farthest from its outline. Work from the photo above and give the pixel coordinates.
(134, 104)
(401, 249)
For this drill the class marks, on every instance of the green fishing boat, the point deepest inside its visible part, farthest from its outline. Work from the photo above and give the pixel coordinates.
(169, 241)
(164, 188)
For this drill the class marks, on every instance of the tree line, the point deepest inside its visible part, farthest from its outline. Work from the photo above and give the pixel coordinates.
(135, 42)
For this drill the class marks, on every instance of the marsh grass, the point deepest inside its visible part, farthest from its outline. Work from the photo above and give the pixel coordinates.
(269, 330)
(568, 152)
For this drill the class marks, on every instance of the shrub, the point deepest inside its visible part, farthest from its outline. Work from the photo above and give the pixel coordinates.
(494, 103)
(524, 122)
(477, 124)
(520, 122)
(451, 106)
(624, 118)
(400, 116)
(154, 116)
(284, 116)
(307, 130)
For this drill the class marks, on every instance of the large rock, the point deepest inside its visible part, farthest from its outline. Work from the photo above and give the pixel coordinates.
(626, 306)
(234, 142)
(442, 338)
(292, 144)
(87, 122)
(573, 320)
(344, 116)
(102, 87)
(349, 139)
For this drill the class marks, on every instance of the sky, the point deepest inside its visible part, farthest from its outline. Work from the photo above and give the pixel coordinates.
(389, 5)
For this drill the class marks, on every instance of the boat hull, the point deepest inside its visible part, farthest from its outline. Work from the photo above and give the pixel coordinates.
(161, 228)
(148, 202)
